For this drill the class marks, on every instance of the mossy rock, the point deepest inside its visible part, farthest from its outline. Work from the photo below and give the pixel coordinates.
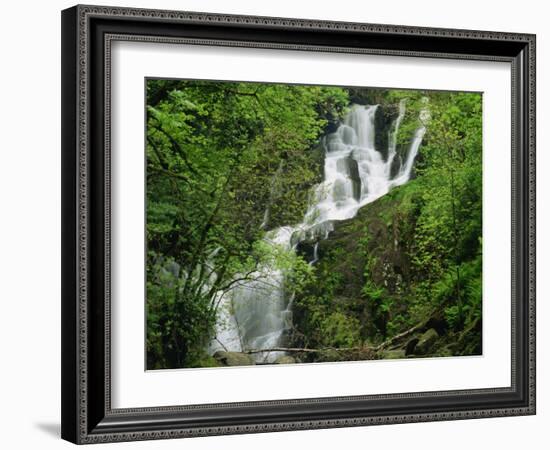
(329, 355)
(445, 351)
(234, 359)
(285, 359)
(426, 342)
(411, 345)
(393, 354)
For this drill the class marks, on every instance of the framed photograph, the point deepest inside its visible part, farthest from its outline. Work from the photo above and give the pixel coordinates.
(280, 224)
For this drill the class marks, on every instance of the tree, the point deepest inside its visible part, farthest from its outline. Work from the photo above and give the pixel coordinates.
(223, 161)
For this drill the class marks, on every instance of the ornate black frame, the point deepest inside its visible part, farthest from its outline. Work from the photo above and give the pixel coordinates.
(87, 32)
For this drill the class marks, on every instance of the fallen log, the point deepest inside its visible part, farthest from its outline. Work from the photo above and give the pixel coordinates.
(308, 350)
(377, 348)
(399, 336)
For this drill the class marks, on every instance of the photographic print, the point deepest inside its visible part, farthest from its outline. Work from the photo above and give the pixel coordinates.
(335, 201)
(292, 224)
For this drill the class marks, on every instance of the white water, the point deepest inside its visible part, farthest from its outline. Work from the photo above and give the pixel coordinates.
(256, 313)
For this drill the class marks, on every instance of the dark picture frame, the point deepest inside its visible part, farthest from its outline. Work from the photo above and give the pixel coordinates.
(87, 34)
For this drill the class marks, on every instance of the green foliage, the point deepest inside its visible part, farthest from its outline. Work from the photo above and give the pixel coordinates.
(449, 226)
(339, 330)
(445, 250)
(460, 314)
(323, 321)
(179, 326)
(227, 162)
(219, 155)
(418, 248)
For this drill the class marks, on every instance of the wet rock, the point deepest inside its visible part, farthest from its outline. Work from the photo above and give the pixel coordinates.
(396, 165)
(234, 359)
(362, 96)
(306, 250)
(383, 120)
(355, 178)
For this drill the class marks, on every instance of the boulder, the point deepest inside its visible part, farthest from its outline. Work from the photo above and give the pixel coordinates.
(234, 359)
(426, 342)
(393, 354)
(355, 178)
(285, 359)
(409, 348)
(445, 351)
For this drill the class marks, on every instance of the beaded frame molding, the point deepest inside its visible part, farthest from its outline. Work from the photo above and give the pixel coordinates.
(87, 35)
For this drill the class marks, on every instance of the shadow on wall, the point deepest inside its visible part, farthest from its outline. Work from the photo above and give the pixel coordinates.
(53, 429)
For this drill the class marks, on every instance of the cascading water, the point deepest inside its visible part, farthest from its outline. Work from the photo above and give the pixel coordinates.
(257, 312)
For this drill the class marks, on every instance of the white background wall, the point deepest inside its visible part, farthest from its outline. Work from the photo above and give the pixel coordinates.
(30, 223)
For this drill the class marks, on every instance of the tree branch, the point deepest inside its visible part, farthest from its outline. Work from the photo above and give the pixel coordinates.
(177, 147)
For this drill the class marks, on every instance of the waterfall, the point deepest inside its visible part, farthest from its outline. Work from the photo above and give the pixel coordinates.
(393, 137)
(273, 191)
(256, 314)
